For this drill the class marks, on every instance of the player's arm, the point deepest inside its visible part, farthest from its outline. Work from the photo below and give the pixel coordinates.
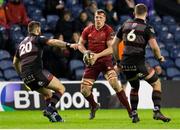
(156, 50)
(112, 49)
(58, 43)
(153, 43)
(16, 64)
(115, 43)
(107, 51)
(81, 46)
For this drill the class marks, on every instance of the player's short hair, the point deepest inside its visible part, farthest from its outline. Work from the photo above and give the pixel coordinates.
(140, 9)
(100, 11)
(32, 26)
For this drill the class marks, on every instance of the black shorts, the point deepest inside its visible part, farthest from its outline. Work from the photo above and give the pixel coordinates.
(38, 79)
(140, 71)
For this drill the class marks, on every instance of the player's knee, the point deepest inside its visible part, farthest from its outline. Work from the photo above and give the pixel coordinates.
(47, 96)
(61, 89)
(84, 90)
(86, 87)
(156, 85)
(115, 84)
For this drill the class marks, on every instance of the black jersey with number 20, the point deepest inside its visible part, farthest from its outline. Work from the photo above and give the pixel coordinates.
(30, 53)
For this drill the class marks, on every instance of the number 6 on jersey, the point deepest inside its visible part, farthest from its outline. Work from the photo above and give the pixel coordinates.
(131, 36)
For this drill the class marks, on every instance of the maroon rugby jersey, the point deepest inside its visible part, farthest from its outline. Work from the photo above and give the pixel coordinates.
(97, 39)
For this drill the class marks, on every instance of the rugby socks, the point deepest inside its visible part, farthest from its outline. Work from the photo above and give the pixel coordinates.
(134, 99)
(54, 100)
(91, 101)
(156, 97)
(123, 99)
(47, 101)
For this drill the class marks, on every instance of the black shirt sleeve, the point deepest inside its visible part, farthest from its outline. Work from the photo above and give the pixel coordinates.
(120, 33)
(42, 40)
(150, 32)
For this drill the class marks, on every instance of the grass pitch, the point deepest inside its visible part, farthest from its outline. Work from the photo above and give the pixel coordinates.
(78, 119)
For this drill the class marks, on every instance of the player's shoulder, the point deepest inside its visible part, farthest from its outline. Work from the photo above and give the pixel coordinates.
(149, 27)
(25, 39)
(107, 27)
(89, 27)
(129, 20)
(41, 36)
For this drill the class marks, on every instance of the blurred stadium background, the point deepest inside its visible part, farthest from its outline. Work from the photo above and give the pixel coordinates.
(65, 19)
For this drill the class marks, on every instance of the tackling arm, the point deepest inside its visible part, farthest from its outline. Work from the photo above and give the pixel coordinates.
(58, 43)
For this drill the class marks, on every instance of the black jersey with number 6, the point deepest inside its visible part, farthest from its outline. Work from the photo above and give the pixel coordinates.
(135, 34)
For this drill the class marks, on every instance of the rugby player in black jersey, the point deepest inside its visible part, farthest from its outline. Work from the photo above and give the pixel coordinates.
(29, 65)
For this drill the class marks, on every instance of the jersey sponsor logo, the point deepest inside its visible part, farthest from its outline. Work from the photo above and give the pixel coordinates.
(41, 83)
(134, 25)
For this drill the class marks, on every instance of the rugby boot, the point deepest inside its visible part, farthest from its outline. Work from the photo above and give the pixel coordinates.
(55, 116)
(93, 111)
(159, 116)
(52, 115)
(135, 117)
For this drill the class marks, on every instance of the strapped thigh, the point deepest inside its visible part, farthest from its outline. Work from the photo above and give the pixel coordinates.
(152, 76)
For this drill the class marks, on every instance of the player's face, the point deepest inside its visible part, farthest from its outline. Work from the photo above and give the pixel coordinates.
(99, 19)
(39, 30)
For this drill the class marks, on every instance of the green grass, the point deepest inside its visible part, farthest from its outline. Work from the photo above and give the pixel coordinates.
(105, 119)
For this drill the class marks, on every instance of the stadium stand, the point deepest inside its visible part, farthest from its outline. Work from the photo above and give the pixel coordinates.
(6, 64)
(4, 55)
(76, 68)
(10, 74)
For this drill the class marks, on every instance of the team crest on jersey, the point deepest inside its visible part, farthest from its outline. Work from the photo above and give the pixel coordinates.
(40, 83)
(134, 25)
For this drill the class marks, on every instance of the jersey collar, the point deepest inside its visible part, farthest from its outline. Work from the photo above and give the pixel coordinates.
(140, 20)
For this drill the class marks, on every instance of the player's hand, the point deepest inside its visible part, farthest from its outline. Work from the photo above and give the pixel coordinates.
(87, 57)
(161, 59)
(130, 3)
(94, 58)
(116, 69)
(74, 46)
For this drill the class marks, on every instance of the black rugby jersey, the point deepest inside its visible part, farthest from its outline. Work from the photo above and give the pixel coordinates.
(30, 52)
(135, 34)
